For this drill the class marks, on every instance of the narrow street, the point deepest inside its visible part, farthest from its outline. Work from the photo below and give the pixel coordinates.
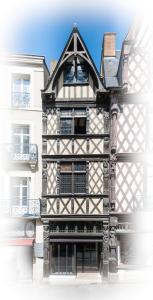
(128, 288)
(81, 291)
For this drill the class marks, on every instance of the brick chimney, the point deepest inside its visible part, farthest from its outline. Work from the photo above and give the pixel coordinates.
(53, 64)
(109, 42)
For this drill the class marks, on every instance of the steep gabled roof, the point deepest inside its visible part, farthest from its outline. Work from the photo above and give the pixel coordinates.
(75, 46)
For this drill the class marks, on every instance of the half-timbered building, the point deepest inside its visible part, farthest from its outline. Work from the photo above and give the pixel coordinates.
(76, 135)
(127, 74)
(94, 171)
(97, 167)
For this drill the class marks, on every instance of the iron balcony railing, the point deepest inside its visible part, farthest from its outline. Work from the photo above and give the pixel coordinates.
(20, 99)
(31, 209)
(22, 152)
(125, 226)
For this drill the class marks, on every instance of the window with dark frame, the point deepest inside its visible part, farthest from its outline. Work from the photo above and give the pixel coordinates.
(76, 73)
(73, 178)
(73, 121)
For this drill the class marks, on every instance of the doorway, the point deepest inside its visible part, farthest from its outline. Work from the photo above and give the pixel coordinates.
(87, 257)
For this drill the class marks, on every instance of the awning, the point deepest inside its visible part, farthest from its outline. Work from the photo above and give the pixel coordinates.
(17, 242)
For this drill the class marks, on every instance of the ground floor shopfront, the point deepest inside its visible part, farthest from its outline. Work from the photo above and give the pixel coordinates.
(79, 246)
(73, 258)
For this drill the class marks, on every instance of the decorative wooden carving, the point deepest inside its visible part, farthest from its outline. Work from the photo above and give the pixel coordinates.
(44, 120)
(105, 257)
(112, 245)
(46, 248)
(106, 205)
(113, 161)
(114, 112)
(43, 206)
(44, 179)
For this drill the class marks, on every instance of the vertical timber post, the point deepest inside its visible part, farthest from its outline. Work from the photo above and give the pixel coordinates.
(105, 267)
(114, 112)
(113, 220)
(106, 186)
(46, 249)
(112, 245)
(112, 193)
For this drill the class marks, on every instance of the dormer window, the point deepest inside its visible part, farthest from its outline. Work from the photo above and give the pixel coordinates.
(82, 74)
(69, 74)
(75, 73)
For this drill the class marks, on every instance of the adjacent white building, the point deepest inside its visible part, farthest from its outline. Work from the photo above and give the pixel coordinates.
(22, 78)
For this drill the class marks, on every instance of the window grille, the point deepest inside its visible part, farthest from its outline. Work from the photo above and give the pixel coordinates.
(79, 183)
(73, 178)
(66, 126)
(65, 183)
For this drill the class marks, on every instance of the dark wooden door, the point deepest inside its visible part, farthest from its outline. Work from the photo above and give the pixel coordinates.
(87, 257)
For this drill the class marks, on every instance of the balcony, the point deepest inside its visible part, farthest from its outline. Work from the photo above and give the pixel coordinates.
(125, 227)
(31, 209)
(20, 100)
(71, 229)
(23, 153)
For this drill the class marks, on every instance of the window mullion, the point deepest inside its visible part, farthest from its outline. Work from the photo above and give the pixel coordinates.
(75, 69)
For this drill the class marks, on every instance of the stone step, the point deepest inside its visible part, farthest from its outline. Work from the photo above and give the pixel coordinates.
(87, 275)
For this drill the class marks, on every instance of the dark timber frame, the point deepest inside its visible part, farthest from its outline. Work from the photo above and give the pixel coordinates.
(105, 237)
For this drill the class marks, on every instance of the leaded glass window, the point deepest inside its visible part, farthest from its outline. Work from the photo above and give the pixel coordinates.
(75, 73)
(66, 126)
(69, 74)
(73, 178)
(73, 121)
(82, 74)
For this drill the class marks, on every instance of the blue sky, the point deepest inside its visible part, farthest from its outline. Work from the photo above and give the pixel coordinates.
(44, 30)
